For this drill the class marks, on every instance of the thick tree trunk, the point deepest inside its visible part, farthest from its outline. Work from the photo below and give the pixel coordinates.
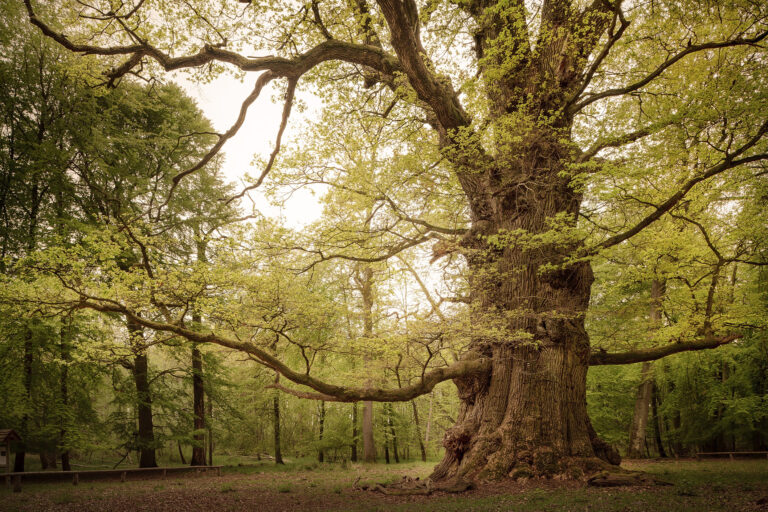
(198, 406)
(529, 416)
(146, 438)
(276, 427)
(353, 457)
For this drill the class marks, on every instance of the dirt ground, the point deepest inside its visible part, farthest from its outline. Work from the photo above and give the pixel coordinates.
(698, 487)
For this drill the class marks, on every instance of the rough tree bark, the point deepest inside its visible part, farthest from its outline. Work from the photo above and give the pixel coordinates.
(528, 417)
(36, 197)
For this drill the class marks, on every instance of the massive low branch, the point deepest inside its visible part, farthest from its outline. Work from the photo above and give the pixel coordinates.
(339, 393)
(599, 357)
(328, 50)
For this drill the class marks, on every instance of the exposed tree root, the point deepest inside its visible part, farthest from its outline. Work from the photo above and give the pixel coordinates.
(618, 478)
(613, 477)
(414, 486)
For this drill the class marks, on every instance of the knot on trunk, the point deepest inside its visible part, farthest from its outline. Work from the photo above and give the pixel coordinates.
(457, 439)
(469, 386)
(572, 276)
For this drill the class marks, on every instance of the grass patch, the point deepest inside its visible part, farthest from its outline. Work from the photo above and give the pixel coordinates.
(64, 498)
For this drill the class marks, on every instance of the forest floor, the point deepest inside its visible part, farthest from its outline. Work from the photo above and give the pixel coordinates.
(698, 487)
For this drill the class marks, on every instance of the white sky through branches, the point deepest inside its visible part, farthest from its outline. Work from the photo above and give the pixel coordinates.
(220, 101)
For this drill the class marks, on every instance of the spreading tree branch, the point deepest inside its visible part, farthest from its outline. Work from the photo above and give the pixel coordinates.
(600, 357)
(464, 368)
(739, 41)
(730, 161)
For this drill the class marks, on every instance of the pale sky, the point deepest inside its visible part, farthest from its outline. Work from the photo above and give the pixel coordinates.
(220, 101)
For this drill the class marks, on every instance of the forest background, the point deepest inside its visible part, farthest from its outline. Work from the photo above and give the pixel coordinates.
(370, 292)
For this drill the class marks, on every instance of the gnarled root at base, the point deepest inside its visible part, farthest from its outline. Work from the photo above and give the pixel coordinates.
(612, 477)
(414, 486)
(620, 478)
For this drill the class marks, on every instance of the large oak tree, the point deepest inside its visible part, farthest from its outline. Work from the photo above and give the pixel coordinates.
(529, 105)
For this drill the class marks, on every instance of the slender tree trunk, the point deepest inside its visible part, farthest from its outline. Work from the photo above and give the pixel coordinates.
(198, 386)
(146, 439)
(386, 445)
(353, 457)
(198, 403)
(64, 389)
(369, 449)
(677, 446)
(637, 441)
(47, 460)
(320, 452)
(209, 425)
(18, 463)
(657, 420)
(637, 434)
(428, 429)
(390, 421)
(365, 284)
(181, 453)
(418, 431)
(276, 427)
